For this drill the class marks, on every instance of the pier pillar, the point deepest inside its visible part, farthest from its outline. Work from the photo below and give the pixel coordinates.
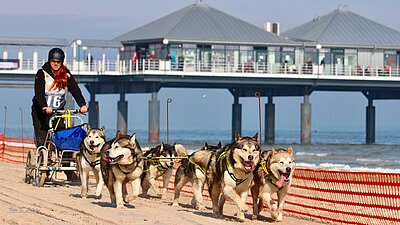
(370, 122)
(270, 121)
(122, 113)
(236, 116)
(305, 117)
(94, 117)
(154, 119)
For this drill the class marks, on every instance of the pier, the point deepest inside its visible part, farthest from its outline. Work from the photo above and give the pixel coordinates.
(166, 54)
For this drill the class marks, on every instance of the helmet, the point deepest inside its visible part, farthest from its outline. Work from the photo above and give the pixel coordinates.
(56, 54)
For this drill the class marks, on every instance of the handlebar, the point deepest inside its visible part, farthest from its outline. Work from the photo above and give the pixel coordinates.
(65, 111)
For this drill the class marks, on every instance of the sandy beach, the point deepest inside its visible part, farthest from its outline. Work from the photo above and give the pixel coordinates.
(60, 203)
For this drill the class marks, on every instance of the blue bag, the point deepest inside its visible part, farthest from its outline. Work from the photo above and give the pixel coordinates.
(69, 139)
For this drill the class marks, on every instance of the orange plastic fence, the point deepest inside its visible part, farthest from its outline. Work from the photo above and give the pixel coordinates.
(339, 197)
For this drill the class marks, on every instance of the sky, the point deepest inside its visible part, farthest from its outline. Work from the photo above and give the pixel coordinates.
(193, 108)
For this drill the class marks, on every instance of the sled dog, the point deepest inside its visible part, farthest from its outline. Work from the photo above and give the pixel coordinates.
(232, 173)
(88, 159)
(194, 170)
(273, 174)
(121, 165)
(159, 162)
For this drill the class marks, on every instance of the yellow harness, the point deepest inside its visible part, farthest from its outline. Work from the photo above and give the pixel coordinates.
(232, 175)
(263, 164)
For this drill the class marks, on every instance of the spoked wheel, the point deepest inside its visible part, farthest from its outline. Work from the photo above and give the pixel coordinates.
(41, 175)
(29, 167)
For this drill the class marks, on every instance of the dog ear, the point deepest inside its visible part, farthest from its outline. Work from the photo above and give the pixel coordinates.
(161, 147)
(102, 129)
(273, 151)
(219, 145)
(133, 139)
(118, 134)
(206, 146)
(255, 137)
(237, 136)
(88, 127)
(290, 149)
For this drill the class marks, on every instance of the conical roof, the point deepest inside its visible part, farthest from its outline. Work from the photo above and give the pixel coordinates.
(201, 23)
(345, 28)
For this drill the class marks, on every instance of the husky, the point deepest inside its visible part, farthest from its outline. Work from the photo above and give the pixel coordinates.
(273, 175)
(121, 165)
(231, 174)
(88, 159)
(160, 161)
(194, 170)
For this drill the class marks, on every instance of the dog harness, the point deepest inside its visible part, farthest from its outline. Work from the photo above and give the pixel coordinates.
(198, 167)
(157, 164)
(232, 175)
(92, 164)
(267, 176)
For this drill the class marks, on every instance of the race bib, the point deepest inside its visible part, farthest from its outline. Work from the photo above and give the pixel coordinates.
(55, 101)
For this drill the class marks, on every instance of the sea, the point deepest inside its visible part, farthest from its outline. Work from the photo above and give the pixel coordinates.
(329, 149)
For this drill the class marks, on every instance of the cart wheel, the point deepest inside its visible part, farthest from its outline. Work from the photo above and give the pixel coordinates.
(29, 167)
(40, 176)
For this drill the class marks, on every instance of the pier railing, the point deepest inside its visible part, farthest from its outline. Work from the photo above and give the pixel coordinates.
(127, 67)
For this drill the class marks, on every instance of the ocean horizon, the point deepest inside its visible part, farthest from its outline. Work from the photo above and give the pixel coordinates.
(330, 149)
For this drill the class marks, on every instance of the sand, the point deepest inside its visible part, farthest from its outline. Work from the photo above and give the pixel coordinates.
(59, 202)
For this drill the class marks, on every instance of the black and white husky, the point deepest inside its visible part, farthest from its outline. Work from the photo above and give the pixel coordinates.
(88, 159)
(160, 161)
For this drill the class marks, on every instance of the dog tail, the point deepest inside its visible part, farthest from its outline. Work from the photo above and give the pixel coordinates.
(181, 150)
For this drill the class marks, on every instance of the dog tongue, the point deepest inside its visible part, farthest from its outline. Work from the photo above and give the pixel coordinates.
(281, 181)
(250, 164)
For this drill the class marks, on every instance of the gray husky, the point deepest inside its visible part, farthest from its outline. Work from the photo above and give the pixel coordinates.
(88, 159)
(231, 174)
(121, 165)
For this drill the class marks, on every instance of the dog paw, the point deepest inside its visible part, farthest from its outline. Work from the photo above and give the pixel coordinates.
(274, 215)
(174, 204)
(200, 207)
(279, 218)
(84, 196)
(120, 206)
(163, 197)
(255, 217)
(240, 217)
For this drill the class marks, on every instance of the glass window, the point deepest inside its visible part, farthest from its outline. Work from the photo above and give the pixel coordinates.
(287, 55)
(218, 56)
(188, 59)
(310, 55)
(232, 57)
